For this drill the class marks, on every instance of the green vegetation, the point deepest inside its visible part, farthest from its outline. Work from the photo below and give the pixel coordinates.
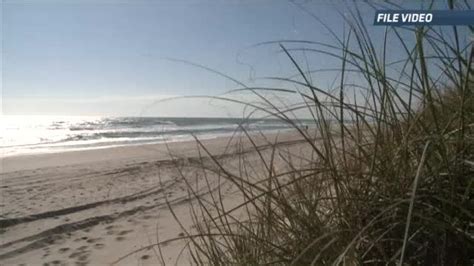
(389, 173)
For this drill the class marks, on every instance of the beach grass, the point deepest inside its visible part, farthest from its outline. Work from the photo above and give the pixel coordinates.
(388, 171)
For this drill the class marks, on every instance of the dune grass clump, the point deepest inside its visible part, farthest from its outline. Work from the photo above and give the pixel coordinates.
(383, 175)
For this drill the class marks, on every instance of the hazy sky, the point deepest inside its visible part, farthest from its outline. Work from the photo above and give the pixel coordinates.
(72, 57)
(109, 57)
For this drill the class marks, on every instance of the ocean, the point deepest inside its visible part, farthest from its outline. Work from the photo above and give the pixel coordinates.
(46, 134)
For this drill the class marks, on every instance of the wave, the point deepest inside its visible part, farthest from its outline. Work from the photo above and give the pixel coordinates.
(37, 135)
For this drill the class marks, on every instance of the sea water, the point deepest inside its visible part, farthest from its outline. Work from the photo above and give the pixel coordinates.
(43, 134)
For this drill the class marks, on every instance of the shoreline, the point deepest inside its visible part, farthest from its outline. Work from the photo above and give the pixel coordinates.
(26, 161)
(127, 152)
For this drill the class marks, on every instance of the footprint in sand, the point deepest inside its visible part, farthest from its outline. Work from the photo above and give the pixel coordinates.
(83, 258)
(120, 238)
(93, 240)
(124, 232)
(54, 262)
(75, 255)
(110, 227)
(145, 257)
(63, 250)
(99, 246)
(81, 255)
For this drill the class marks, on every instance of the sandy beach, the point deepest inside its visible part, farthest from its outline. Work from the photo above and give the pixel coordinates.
(96, 206)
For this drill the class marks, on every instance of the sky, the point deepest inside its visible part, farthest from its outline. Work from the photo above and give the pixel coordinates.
(111, 57)
(104, 57)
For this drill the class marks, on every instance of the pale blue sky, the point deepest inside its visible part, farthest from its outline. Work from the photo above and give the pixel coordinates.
(108, 57)
(60, 51)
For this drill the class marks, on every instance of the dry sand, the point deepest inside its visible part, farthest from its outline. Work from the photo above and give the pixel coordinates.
(95, 206)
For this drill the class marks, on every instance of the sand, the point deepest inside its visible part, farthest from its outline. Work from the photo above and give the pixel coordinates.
(96, 206)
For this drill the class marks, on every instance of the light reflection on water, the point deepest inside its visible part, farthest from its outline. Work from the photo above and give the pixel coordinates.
(42, 134)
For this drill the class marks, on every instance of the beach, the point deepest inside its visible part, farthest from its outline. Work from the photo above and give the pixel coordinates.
(96, 206)
(237, 133)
